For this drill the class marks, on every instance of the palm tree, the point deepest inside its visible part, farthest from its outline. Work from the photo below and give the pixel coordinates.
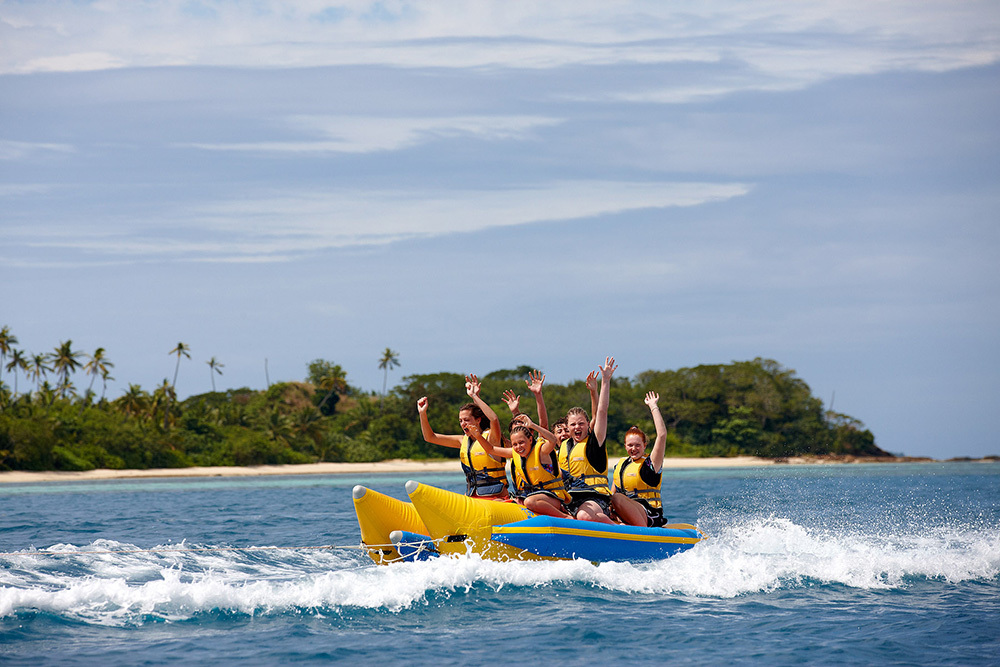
(47, 393)
(97, 365)
(389, 360)
(278, 425)
(7, 341)
(65, 361)
(306, 423)
(214, 367)
(38, 367)
(18, 361)
(134, 402)
(334, 379)
(163, 396)
(181, 349)
(105, 376)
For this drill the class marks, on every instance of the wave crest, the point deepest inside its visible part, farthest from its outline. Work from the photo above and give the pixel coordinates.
(112, 586)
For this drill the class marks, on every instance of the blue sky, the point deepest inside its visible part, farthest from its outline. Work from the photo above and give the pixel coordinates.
(488, 184)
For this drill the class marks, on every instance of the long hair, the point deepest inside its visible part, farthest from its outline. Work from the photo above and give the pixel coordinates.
(477, 414)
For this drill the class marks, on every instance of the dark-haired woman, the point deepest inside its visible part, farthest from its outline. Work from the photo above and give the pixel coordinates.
(485, 475)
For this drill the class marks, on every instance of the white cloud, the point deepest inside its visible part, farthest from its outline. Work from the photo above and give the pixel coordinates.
(352, 134)
(18, 150)
(277, 228)
(75, 62)
(792, 43)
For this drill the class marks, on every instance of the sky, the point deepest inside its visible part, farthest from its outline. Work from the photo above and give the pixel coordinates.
(485, 185)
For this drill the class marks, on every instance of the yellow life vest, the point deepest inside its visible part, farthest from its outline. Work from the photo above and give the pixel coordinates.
(583, 475)
(629, 481)
(531, 475)
(485, 475)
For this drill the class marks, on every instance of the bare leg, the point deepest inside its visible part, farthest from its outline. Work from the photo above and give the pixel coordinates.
(547, 505)
(629, 511)
(591, 511)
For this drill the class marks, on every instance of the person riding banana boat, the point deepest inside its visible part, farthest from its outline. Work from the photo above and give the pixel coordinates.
(485, 475)
(638, 476)
(538, 481)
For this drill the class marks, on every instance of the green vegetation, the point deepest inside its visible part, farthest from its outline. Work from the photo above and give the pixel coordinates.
(747, 407)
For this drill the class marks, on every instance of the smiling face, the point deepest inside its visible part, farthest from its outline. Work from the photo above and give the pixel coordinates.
(635, 445)
(521, 441)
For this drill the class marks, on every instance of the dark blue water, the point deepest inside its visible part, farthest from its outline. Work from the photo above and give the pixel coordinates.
(889, 564)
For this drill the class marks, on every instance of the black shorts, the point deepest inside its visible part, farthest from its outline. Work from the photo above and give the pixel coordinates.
(654, 516)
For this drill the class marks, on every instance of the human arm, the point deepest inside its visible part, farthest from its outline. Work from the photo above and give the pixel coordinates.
(601, 414)
(488, 447)
(428, 433)
(535, 381)
(472, 388)
(592, 388)
(660, 445)
(550, 442)
(513, 402)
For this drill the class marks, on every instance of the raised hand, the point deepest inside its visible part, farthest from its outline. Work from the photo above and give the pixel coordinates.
(651, 400)
(609, 368)
(472, 386)
(422, 405)
(592, 382)
(535, 381)
(512, 400)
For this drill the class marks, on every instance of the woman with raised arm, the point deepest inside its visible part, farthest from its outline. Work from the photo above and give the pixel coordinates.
(537, 478)
(584, 457)
(639, 477)
(485, 475)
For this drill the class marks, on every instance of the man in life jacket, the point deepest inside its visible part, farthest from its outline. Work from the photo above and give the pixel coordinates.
(638, 476)
(485, 475)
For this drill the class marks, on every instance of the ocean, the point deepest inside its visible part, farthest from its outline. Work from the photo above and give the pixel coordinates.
(826, 564)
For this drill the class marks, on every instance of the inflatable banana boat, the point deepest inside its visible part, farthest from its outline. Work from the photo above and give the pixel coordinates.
(437, 522)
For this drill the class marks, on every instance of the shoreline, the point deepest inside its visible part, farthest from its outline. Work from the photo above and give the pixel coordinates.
(407, 466)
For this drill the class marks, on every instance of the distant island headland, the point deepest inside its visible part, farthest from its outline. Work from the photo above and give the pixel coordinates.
(756, 409)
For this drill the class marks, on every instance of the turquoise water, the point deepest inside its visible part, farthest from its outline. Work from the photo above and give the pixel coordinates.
(847, 564)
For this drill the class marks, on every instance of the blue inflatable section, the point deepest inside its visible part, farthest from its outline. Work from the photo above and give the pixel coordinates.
(413, 546)
(570, 538)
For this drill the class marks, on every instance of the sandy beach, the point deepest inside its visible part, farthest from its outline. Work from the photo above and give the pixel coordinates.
(392, 466)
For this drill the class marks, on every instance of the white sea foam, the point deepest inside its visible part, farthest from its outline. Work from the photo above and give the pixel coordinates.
(754, 556)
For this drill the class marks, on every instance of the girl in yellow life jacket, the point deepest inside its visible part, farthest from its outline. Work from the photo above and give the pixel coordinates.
(584, 457)
(638, 476)
(537, 477)
(535, 381)
(485, 474)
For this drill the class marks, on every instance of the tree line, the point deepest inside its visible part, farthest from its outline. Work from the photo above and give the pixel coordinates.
(745, 407)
